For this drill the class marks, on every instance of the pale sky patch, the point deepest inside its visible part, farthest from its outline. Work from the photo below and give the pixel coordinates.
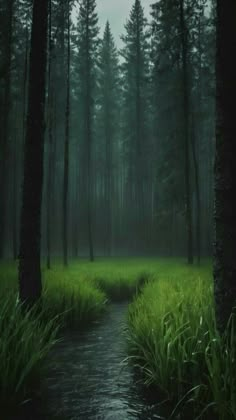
(117, 12)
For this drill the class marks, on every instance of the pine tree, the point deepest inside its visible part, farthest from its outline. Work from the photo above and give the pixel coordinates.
(107, 122)
(184, 36)
(29, 263)
(225, 179)
(67, 139)
(6, 105)
(166, 117)
(178, 29)
(135, 108)
(88, 48)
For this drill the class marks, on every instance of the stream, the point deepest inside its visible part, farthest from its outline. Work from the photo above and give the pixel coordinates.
(88, 379)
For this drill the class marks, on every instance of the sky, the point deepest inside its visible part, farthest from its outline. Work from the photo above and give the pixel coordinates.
(117, 12)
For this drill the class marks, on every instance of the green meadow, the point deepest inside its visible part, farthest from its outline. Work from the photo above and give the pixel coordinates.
(171, 333)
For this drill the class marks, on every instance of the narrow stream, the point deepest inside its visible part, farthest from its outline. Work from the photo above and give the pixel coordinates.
(87, 379)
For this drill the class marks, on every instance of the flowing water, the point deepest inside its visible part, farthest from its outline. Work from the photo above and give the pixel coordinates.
(88, 379)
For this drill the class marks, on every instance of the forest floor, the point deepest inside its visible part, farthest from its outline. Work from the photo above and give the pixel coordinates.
(170, 334)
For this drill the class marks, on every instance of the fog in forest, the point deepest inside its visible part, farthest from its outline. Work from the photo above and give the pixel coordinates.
(136, 130)
(117, 193)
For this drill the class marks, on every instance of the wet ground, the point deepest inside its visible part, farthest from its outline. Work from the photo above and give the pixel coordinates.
(88, 379)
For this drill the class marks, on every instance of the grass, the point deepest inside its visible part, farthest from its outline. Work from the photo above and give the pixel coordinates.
(172, 336)
(25, 341)
(78, 294)
(173, 339)
(82, 291)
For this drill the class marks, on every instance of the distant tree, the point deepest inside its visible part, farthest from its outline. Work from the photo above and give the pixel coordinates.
(166, 100)
(184, 35)
(30, 284)
(202, 82)
(135, 108)
(182, 78)
(66, 144)
(87, 50)
(107, 121)
(225, 179)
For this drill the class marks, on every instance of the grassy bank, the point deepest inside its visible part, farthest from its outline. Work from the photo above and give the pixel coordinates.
(25, 340)
(173, 339)
(171, 327)
(82, 290)
(78, 294)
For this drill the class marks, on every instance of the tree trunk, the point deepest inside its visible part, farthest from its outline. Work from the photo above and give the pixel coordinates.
(185, 85)
(50, 109)
(5, 130)
(198, 195)
(30, 236)
(225, 165)
(66, 148)
(15, 191)
(89, 149)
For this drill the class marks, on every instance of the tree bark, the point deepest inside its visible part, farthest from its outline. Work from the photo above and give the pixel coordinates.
(225, 165)
(30, 285)
(198, 194)
(50, 109)
(4, 140)
(89, 146)
(185, 86)
(66, 147)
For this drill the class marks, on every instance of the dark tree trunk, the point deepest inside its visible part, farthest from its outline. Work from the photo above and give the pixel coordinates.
(225, 165)
(50, 109)
(66, 147)
(15, 193)
(5, 130)
(89, 148)
(30, 236)
(108, 183)
(198, 194)
(89, 182)
(185, 86)
(24, 89)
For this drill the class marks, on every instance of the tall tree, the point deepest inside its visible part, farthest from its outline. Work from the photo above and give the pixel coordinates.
(29, 261)
(66, 144)
(88, 46)
(186, 126)
(167, 130)
(135, 88)
(50, 110)
(107, 121)
(4, 139)
(225, 179)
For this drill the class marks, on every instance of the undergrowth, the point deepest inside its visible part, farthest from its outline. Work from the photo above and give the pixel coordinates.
(172, 338)
(25, 340)
(71, 297)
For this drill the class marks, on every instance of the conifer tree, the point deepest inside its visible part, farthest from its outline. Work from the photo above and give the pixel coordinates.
(107, 121)
(88, 48)
(225, 180)
(29, 264)
(135, 109)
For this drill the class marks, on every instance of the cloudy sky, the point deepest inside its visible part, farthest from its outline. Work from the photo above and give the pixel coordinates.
(117, 12)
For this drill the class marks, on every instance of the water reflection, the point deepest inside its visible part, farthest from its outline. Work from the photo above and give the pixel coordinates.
(87, 380)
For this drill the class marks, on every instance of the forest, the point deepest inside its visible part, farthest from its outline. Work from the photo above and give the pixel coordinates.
(117, 210)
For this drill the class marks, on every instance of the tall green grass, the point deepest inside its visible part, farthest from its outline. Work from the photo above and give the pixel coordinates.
(172, 337)
(82, 290)
(25, 340)
(71, 297)
(171, 327)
